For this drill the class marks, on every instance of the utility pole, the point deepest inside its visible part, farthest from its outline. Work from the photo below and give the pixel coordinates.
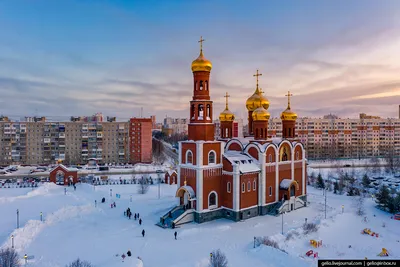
(17, 218)
(325, 203)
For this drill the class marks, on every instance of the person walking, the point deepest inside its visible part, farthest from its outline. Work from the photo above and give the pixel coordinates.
(140, 221)
(135, 216)
(175, 234)
(143, 232)
(130, 215)
(129, 253)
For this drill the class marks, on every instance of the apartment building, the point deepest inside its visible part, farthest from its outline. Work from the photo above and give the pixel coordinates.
(75, 142)
(333, 137)
(140, 137)
(175, 126)
(237, 128)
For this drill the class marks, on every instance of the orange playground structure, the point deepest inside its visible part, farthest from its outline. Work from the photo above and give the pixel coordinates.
(368, 231)
(315, 243)
(384, 253)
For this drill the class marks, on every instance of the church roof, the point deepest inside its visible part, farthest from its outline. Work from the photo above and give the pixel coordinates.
(246, 163)
(65, 168)
(170, 172)
(285, 183)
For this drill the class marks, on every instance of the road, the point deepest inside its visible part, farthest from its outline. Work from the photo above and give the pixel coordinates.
(169, 152)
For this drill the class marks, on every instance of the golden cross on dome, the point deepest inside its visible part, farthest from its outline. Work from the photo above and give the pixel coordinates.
(201, 43)
(288, 98)
(226, 101)
(256, 75)
(185, 181)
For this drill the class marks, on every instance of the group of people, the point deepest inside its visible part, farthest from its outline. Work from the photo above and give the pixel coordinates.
(128, 214)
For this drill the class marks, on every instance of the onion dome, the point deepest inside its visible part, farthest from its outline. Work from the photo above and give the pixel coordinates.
(257, 100)
(260, 114)
(288, 114)
(201, 63)
(226, 115)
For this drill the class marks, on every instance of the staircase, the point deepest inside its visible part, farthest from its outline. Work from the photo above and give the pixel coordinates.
(167, 220)
(276, 208)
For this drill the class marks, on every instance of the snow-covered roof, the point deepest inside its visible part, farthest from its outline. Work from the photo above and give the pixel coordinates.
(65, 168)
(285, 183)
(245, 162)
(188, 189)
(276, 140)
(244, 140)
(170, 172)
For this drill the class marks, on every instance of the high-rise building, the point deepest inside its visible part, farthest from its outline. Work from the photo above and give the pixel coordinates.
(140, 139)
(73, 142)
(175, 125)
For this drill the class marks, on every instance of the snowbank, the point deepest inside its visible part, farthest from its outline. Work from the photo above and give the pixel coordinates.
(272, 257)
(42, 190)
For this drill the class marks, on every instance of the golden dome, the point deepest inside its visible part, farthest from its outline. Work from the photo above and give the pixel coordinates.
(260, 114)
(257, 100)
(226, 115)
(288, 114)
(201, 63)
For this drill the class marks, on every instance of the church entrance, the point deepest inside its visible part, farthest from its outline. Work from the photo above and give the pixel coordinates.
(186, 196)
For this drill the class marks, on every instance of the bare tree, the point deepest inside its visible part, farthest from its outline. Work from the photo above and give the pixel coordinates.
(358, 203)
(158, 151)
(218, 259)
(79, 263)
(390, 160)
(9, 258)
(143, 185)
(375, 165)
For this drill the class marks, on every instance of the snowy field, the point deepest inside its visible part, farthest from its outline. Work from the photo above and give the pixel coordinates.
(73, 227)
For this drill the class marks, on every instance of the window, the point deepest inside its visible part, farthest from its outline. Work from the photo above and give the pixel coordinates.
(254, 185)
(212, 200)
(228, 187)
(189, 157)
(270, 191)
(211, 157)
(297, 155)
(270, 158)
(243, 188)
(201, 85)
(248, 186)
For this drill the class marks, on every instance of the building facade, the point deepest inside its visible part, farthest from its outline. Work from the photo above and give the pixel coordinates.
(73, 142)
(237, 128)
(140, 135)
(175, 126)
(235, 178)
(333, 137)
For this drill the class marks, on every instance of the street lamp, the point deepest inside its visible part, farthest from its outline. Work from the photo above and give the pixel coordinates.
(325, 203)
(211, 255)
(41, 216)
(17, 218)
(254, 242)
(282, 222)
(159, 182)
(12, 241)
(342, 209)
(110, 192)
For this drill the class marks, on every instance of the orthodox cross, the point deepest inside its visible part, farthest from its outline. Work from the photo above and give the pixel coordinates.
(226, 101)
(256, 75)
(288, 98)
(201, 43)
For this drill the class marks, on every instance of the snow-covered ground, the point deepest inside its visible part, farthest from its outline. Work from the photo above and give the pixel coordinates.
(73, 227)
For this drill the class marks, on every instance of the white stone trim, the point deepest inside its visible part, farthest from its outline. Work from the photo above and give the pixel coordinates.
(276, 181)
(178, 182)
(304, 173)
(262, 179)
(199, 154)
(180, 152)
(199, 190)
(236, 188)
(249, 208)
(229, 187)
(201, 123)
(213, 207)
(205, 167)
(292, 163)
(215, 157)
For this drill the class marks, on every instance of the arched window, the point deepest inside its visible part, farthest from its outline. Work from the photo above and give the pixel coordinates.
(257, 132)
(270, 158)
(208, 112)
(270, 191)
(211, 157)
(262, 132)
(200, 112)
(226, 132)
(243, 188)
(254, 185)
(189, 157)
(290, 131)
(228, 187)
(297, 155)
(192, 111)
(201, 85)
(212, 200)
(206, 86)
(248, 186)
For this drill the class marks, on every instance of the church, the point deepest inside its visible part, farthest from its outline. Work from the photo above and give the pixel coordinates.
(236, 178)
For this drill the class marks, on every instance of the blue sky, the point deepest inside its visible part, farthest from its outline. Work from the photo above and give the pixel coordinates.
(62, 58)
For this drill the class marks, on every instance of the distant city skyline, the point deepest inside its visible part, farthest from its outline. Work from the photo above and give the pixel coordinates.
(73, 58)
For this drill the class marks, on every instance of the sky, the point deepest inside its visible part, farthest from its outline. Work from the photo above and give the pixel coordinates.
(72, 58)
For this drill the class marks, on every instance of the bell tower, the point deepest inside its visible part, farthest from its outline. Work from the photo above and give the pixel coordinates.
(201, 126)
(226, 119)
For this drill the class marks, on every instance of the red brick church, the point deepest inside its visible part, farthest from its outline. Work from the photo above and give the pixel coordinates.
(236, 178)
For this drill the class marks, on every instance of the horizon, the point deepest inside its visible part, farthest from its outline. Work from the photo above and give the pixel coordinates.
(115, 57)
